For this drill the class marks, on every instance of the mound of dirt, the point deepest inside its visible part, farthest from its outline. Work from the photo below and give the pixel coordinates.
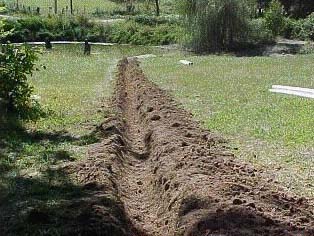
(157, 173)
(174, 178)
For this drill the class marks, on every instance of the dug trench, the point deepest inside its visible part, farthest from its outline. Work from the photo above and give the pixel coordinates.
(171, 177)
(157, 173)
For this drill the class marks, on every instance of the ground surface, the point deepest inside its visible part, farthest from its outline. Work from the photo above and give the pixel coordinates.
(155, 172)
(73, 90)
(230, 96)
(44, 189)
(95, 7)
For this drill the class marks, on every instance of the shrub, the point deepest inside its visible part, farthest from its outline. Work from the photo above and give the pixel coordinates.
(289, 28)
(214, 25)
(259, 32)
(4, 33)
(153, 20)
(275, 18)
(304, 28)
(142, 30)
(139, 34)
(56, 28)
(16, 64)
(3, 9)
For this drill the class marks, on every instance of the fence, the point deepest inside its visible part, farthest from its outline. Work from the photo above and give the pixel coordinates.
(64, 6)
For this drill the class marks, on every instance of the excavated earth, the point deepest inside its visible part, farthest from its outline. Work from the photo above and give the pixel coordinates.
(157, 173)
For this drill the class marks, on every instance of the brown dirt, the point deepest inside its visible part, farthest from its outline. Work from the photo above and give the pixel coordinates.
(157, 173)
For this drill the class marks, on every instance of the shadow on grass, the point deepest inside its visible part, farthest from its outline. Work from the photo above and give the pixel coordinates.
(43, 147)
(52, 204)
(48, 202)
(268, 50)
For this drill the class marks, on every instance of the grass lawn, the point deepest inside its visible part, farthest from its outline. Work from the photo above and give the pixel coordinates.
(230, 95)
(87, 6)
(72, 90)
(90, 6)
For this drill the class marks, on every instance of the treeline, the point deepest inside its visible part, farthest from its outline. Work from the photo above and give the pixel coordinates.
(294, 8)
(224, 25)
(138, 30)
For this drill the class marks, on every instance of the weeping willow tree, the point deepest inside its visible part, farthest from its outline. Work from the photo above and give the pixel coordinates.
(215, 25)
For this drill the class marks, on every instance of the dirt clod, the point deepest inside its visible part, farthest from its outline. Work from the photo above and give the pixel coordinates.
(190, 185)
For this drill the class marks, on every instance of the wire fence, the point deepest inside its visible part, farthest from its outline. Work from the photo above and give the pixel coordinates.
(67, 7)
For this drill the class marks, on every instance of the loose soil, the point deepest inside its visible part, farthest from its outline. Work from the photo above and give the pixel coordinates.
(173, 178)
(157, 173)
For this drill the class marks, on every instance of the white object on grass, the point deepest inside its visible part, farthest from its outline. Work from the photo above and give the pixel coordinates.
(35, 97)
(144, 56)
(65, 42)
(185, 62)
(297, 91)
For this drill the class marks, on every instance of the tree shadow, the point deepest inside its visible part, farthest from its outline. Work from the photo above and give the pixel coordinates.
(52, 204)
(240, 221)
(17, 141)
(268, 50)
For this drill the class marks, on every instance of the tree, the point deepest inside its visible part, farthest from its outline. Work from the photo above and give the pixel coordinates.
(4, 33)
(214, 25)
(16, 64)
(274, 17)
(130, 4)
(295, 8)
(157, 7)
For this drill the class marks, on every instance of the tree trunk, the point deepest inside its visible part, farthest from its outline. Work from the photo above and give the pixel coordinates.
(157, 8)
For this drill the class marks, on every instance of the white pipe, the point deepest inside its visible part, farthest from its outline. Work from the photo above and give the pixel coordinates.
(298, 89)
(293, 92)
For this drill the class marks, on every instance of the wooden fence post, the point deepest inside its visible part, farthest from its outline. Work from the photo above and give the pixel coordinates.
(56, 7)
(71, 6)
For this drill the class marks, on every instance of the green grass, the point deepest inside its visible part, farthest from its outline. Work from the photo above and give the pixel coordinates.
(82, 6)
(105, 7)
(73, 90)
(230, 96)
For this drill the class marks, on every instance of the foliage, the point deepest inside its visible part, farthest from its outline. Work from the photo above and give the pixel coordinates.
(289, 28)
(274, 17)
(16, 64)
(3, 32)
(298, 8)
(36, 28)
(259, 32)
(3, 8)
(145, 30)
(304, 28)
(140, 34)
(153, 21)
(213, 25)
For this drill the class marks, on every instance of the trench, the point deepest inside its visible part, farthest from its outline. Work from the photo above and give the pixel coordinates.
(170, 177)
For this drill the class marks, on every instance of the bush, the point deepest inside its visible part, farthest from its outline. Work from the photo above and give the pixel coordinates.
(304, 28)
(142, 30)
(289, 29)
(36, 28)
(275, 18)
(16, 64)
(153, 20)
(215, 25)
(139, 34)
(259, 32)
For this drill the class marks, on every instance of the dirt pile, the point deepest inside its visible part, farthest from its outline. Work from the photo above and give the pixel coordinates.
(157, 173)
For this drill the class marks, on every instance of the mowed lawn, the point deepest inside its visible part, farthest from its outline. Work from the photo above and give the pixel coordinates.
(105, 7)
(83, 6)
(74, 90)
(230, 96)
